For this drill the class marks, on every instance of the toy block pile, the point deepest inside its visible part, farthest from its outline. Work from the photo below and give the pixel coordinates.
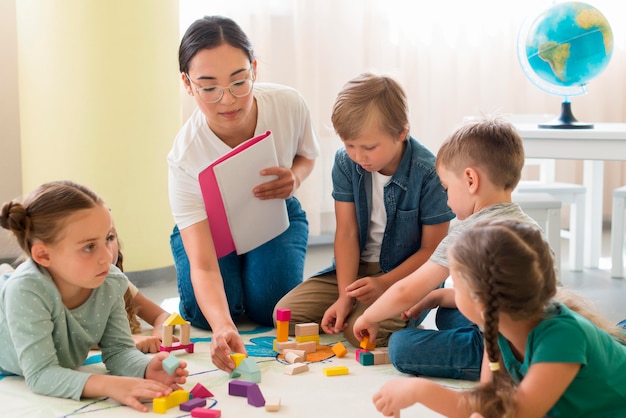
(369, 355)
(168, 334)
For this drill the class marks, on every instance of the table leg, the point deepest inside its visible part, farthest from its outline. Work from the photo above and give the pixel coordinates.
(593, 178)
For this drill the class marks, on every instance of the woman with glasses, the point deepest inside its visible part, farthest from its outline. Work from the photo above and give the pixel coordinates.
(218, 68)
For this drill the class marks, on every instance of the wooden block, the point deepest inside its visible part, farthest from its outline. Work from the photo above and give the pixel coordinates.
(292, 357)
(239, 388)
(335, 371)
(305, 338)
(282, 331)
(272, 403)
(170, 364)
(300, 353)
(339, 349)
(238, 358)
(366, 358)
(199, 391)
(366, 344)
(255, 397)
(192, 404)
(296, 368)
(357, 354)
(304, 330)
(162, 404)
(283, 315)
(307, 347)
(279, 346)
(206, 413)
(381, 356)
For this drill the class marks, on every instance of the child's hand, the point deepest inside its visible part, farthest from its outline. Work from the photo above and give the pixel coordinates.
(366, 290)
(362, 328)
(395, 395)
(125, 390)
(334, 319)
(155, 371)
(436, 298)
(147, 343)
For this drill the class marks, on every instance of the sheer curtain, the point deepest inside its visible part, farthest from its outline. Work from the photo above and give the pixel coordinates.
(454, 58)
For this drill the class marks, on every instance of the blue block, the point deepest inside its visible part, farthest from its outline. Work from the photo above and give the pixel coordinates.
(170, 364)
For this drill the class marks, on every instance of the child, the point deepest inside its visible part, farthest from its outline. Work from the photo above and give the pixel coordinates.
(390, 209)
(543, 357)
(137, 304)
(479, 165)
(66, 298)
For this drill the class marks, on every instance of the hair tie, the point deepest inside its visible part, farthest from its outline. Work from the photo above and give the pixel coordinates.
(494, 366)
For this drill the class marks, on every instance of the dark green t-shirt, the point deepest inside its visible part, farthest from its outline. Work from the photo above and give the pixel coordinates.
(599, 388)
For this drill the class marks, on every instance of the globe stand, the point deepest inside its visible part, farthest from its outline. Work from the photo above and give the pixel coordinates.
(566, 120)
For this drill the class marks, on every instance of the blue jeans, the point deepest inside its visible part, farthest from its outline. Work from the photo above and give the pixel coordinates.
(454, 350)
(253, 281)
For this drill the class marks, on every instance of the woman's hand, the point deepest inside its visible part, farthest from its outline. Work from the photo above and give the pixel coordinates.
(283, 187)
(225, 341)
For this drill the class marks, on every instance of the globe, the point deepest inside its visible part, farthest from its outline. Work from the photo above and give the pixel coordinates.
(561, 49)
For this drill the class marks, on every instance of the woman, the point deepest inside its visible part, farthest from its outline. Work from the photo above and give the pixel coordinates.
(218, 68)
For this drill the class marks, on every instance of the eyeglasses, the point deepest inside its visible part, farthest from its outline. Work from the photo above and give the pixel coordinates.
(213, 94)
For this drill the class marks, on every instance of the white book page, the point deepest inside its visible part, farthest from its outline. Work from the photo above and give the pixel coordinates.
(252, 221)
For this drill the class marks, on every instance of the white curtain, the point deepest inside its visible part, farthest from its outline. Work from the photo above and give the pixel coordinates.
(454, 58)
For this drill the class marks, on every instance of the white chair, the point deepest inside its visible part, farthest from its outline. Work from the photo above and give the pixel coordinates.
(571, 194)
(617, 232)
(546, 211)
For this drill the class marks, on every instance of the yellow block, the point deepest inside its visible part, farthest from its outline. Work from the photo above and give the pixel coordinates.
(335, 371)
(238, 358)
(161, 405)
(306, 338)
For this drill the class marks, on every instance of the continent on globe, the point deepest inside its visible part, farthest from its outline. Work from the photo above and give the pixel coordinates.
(561, 49)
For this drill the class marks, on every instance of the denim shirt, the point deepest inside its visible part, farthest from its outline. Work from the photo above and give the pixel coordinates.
(413, 197)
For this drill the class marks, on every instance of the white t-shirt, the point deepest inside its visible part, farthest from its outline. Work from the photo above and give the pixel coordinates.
(281, 110)
(378, 219)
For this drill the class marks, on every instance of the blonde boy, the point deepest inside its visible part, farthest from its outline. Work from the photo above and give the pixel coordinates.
(479, 165)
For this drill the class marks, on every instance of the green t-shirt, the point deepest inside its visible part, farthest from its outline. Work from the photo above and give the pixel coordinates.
(45, 342)
(599, 388)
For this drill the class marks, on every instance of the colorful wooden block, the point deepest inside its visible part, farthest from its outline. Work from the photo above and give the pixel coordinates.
(170, 364)
(192, 404)
(199, 391)
(238, 358)
(283, 315)
(247, 370)
(206, 413)
(296, 368)
(310, 328)
(366, 344)
(366, 358)
(272, 403)
(162, 404)
(255, 397)
(339, 349)
(239, 387)
(279, 346)
(335, 371)
(357, 353)
(307, 347)
(282, 331)
(293, 357)
(305, 338)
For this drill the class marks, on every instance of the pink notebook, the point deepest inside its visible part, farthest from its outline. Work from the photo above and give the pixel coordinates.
(239, 221)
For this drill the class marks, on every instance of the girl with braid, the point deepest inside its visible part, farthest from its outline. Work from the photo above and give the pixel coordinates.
(546, 352)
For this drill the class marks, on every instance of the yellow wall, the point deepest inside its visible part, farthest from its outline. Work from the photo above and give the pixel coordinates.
(100, 105)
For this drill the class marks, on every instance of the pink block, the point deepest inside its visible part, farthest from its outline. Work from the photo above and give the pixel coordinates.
(206, 413)
(358, 352)
(200, 391)
(283, 314)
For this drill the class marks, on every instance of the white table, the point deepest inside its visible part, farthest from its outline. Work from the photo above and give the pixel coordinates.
(605, 142)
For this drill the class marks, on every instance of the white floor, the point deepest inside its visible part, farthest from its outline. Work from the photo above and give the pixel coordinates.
(607, 293)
